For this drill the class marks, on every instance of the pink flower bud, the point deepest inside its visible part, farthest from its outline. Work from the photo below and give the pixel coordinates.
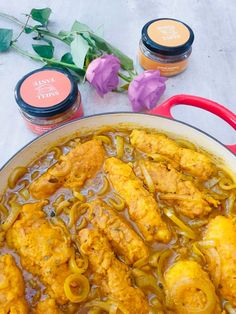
(146, 89)
(102, 73)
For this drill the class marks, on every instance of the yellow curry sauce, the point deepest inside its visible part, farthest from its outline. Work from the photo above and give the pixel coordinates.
(119, 221)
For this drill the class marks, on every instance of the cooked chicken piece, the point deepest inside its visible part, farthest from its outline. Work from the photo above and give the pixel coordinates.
(166, 179)
(12, 287)
(143, 208)
(190, 161)
(44, 249)
(222, 231)
(80, 164)
(47, 306)
(124, 240)
(111, 275)
(189, 289)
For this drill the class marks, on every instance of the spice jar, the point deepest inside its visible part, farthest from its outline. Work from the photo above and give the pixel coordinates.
(166, 45)
(48, 97)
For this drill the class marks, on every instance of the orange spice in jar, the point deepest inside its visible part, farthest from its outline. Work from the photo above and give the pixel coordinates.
(166, 45)
(48, 97)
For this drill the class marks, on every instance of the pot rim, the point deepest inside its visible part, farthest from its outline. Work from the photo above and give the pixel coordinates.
(111, 113)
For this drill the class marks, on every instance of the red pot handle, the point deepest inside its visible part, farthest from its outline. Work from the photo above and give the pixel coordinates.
(203, 103)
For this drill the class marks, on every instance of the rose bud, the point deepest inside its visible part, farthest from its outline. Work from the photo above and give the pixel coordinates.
(102, 73)
(146, 89)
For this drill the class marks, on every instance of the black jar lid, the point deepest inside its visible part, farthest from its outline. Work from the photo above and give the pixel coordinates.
(167, 36)
(46, 92)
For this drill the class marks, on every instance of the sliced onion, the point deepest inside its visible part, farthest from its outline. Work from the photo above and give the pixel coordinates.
(83, 285)
(110, 306)
(230, 203)
(119, 146)
(188, 232)
(206, 244)
(104, 187)
(74, 268)
(184, 284)
(3, 209)
(211, 182)
(227, 184)
(61, 206)
(83, 224)
(103, 138)
(141, 262)
(16, 174)
(61, 169)
(76, 211)
(147, 177)
(117, 202)
(59, 223)
(161, 263)
(11, 218)
(147, 281)
(154, 258)
(197, 251)
(57, 152)
(79, 196)
(229, 173)
(186, 144)
(25, 194)
(214, 265)
(228, 307)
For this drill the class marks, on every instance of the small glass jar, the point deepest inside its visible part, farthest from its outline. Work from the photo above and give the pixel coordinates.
(166, 45)
(48, 97)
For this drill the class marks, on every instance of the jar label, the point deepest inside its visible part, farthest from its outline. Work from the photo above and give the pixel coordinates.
(169, 33)
(45, 88)
(40, 129)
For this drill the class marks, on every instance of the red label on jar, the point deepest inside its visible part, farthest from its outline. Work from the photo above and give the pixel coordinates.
(45, 88)
(40, 129)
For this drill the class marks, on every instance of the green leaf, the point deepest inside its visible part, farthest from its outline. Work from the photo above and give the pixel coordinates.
(67, 37)
(5, 39)
(41, 15)
(44, 51)
(79, 49)
(63, 34)
(67, 58)
(28, 30)
(80, 27)
(89, 40)
(126, 62)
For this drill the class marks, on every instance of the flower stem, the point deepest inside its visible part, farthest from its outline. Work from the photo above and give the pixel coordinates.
(22, 31)
(46, 60)
(125, 77)
(132, 73)
(11, 18)
(36, 30)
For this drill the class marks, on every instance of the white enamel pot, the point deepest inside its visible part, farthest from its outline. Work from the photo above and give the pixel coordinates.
(159, 118)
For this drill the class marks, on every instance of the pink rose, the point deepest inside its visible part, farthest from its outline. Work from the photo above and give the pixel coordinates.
(102, 73)
(146, 89)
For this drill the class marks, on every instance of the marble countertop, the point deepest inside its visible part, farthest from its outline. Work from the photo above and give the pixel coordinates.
(211, 73)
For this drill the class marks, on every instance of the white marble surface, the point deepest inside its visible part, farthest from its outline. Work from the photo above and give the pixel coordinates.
(211, 73)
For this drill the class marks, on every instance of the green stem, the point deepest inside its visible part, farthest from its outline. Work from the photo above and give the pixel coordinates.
(22, 31)
(36, 30)
(49, 34)
(132, 73)
(12, 19)
(125, 77)
(46, 60)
